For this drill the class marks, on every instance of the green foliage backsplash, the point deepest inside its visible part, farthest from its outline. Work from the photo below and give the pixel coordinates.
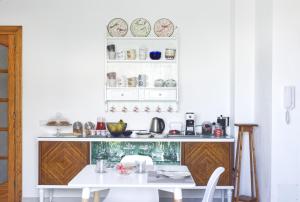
(160, 152)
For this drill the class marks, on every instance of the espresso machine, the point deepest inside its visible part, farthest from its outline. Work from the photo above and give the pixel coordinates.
(189, 123)
(223, 122)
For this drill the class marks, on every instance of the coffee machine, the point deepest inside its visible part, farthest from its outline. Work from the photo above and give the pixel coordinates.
(223, 122)
(189, 123)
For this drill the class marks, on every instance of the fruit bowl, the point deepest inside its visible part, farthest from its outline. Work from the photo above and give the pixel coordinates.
(116, 129)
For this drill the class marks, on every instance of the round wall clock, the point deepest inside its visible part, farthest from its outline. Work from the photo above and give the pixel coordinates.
(163, 27)
(117, 27)
(140, 27)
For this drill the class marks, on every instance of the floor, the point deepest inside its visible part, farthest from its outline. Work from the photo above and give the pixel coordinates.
(65, 199)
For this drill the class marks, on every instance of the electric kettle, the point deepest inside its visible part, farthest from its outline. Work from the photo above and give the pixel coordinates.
(157, 125)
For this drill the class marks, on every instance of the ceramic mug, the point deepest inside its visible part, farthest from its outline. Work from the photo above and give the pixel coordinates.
(111, 75)
(112, 82)
(143, 53)
(122, 81)
(159, 83)
(170, 53)
(142, 80)
(131, 54)
(132, 82)
(121, 55)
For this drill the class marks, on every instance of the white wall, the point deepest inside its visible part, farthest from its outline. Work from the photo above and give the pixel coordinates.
(63, 43)
(244, 63)
(286, 70)
(263, 95)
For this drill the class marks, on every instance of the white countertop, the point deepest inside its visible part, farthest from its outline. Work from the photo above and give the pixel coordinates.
(197, 138)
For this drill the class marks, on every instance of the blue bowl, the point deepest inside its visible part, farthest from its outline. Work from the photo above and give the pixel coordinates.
(155, 55)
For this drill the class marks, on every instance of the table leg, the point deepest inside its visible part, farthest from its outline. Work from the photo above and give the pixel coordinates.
(41, 195)
(223, 194)
(229, 195)
(97, 196)
(50, 195)
(85, 194)
(177, 195)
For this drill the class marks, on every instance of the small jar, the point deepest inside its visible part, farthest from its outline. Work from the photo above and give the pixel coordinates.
(218, 132)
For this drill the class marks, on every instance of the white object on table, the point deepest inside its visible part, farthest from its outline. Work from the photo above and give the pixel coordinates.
(133, 158)
(88, 180)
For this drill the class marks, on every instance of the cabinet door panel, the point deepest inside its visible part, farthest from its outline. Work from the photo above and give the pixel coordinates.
(203, 158)
(123, 94)
(59, 162)
(160, 94)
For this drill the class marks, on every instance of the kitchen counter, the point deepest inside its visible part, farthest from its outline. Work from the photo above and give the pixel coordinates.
(158, 138)
(207, 151)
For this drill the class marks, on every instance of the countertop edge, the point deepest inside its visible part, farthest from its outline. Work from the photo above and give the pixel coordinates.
(173, 139)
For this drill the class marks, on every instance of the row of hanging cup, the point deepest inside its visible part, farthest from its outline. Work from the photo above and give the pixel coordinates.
(137, 109)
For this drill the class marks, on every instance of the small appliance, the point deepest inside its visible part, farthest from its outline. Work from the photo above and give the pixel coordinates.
(157, 125)
(223, 122)
(189, 123)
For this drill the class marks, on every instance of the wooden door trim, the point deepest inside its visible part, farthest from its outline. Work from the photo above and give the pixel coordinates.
(16, 31)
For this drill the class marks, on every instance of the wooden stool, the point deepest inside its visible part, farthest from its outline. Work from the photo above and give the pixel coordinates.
(245, 128)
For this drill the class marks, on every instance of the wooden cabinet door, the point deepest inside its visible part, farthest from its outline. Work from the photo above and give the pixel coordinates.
(59, 162)
(203, 158)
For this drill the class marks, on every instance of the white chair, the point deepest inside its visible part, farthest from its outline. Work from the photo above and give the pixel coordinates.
(211, 185)
(119, 194)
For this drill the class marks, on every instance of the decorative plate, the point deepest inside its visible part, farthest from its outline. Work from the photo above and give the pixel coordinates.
(140, 27)
(163, 27)
(117, 27)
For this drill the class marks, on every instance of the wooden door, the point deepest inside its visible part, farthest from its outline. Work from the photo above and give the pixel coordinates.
(10, 114)
(204, 157)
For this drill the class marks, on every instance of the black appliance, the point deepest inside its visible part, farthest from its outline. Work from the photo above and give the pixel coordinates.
(189, 123)
(223, 122)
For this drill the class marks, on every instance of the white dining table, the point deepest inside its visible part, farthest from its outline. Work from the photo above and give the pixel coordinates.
(90, 181)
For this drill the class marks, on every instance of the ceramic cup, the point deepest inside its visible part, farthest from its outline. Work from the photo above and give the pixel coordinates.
(121, 55)
(112, 82)
(143, 52)
(142, 80)
(132, 82)
(111, 75)
(170, 53)
(170, 83)
(122, 81)
(111, 47)
(159, 83)
(111, 55)
(131, 54)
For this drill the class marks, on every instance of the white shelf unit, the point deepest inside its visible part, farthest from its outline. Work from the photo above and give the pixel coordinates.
(149, 98)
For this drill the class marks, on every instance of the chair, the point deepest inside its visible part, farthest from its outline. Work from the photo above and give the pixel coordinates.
(118, 194)
(211, 185)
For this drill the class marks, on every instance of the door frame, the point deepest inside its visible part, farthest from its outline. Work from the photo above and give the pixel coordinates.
(16, 31)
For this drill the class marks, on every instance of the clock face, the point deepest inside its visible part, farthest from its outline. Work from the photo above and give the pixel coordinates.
(140, 27)
(163, 28)
(117, 27)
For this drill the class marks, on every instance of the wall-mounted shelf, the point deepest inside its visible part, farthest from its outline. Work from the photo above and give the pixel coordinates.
(142, 98)
(141, 61)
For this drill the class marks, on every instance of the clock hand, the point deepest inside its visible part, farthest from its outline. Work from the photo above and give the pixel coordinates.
(120, 29)
(112, 26)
